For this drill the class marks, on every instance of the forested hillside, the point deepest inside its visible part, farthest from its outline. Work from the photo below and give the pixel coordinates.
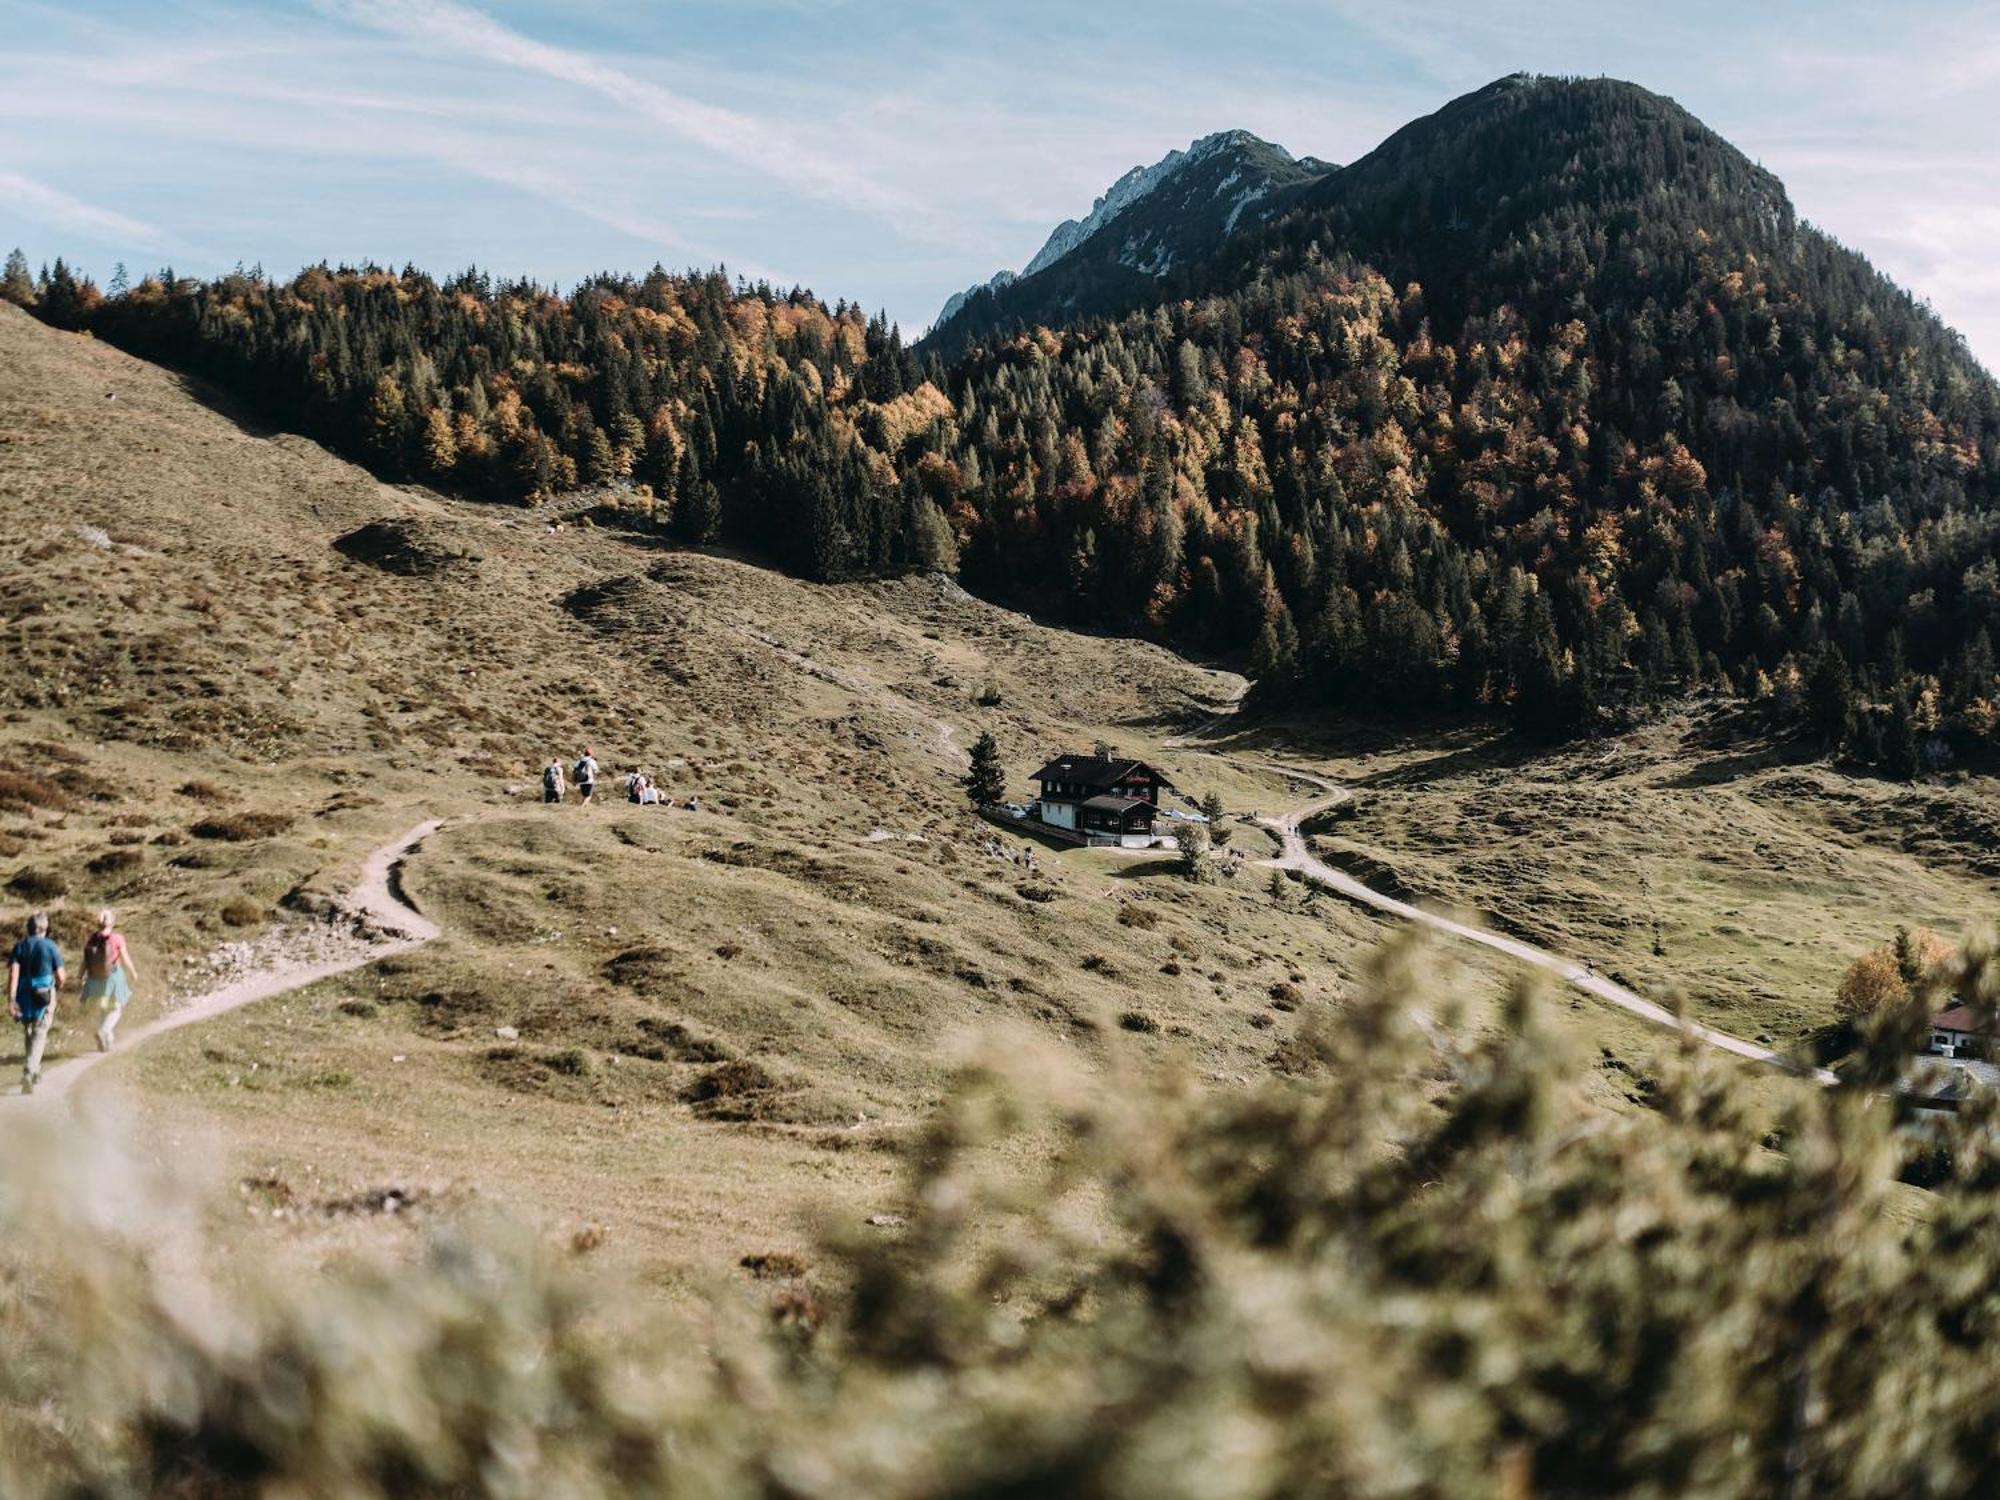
(1547, 403)
(1547, 406)
(744, 413)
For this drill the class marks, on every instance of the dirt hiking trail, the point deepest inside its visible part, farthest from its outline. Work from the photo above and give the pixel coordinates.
(1298, 856)
(377, 917)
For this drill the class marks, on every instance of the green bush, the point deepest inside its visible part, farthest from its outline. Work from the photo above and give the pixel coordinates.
(1404, 1269)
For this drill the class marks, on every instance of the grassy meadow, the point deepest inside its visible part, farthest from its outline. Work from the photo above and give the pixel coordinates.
(683, 1040)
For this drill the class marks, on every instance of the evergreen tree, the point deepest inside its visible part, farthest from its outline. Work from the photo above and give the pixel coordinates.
(1197, 858)
(1899, 742)
(17, 284)
(1830, 706)
(986, 781)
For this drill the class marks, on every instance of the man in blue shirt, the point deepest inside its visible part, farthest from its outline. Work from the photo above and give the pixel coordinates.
(34, 974)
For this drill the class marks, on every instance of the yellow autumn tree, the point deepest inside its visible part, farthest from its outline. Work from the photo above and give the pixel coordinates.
(1873, 983)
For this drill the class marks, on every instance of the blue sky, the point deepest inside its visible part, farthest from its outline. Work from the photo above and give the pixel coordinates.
(891, 152)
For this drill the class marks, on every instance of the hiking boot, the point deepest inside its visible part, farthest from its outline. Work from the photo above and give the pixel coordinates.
(103, 1040)
(27, 1083)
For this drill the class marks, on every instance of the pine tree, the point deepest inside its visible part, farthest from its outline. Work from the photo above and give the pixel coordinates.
(67, 299)
(1197, 860)
(1899, 743)
(986, 781)
(17, 283)
(386, 431)
(1829, 705)
(599, 465)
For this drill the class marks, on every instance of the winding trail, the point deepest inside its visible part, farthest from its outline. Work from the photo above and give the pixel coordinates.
(1297, 855)
(388, 920)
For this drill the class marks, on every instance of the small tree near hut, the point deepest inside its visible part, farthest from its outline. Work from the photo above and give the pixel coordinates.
(1919, 953)
(1870, 986)
(985, 782)
(1197, 862)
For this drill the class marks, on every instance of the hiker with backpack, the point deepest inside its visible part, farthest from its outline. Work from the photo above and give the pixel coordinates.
(108, 975)
(34, 974)
(586, 776)
(552, 781)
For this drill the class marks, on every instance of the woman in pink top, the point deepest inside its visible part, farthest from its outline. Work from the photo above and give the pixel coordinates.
(108, 975)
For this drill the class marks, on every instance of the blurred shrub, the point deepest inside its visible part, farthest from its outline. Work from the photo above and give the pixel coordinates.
(1410, 1268)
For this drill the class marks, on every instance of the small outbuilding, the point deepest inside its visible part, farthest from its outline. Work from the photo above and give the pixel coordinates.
(1960, 1032)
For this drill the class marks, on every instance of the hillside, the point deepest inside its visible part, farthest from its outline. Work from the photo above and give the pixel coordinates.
(1548, 408)
(238, 664)
(235, 664)
(661, 1170)
(1141, 240)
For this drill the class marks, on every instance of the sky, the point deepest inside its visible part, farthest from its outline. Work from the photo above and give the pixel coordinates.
(890, 152)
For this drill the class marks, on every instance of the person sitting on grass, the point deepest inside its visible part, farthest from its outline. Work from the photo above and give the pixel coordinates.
(586, 776)
(108, 976)
(34, 974)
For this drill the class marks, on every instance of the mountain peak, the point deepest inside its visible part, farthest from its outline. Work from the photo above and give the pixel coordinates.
(1135, 185)
(1192, 199)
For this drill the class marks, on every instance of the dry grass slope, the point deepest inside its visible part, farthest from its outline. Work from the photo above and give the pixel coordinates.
(237, 664)
(234, 665)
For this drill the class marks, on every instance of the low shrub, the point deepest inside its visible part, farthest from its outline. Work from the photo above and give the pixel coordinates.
(20, 794)
(236, 828)
(116, 862)
(30, 883)
(729, 1080)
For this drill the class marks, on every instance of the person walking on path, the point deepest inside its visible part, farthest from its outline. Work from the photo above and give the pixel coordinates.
(586, 776)
(552, 781)
(108, 976)
(34, 974)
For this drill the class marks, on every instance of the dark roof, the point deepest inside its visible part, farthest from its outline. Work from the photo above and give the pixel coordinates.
(1119, 805)
(1095, 770)
(1958, 1016)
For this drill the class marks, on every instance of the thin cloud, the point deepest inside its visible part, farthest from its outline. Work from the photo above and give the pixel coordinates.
(37, 200)
(567, 194)
(766, 148)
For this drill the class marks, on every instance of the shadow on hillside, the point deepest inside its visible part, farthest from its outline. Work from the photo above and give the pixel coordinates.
(1146, 869)
(244, 417)
(1723, 750)
(1452, 749)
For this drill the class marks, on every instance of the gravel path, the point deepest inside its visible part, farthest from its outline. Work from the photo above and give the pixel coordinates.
(375, 920)
(1298, 856)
